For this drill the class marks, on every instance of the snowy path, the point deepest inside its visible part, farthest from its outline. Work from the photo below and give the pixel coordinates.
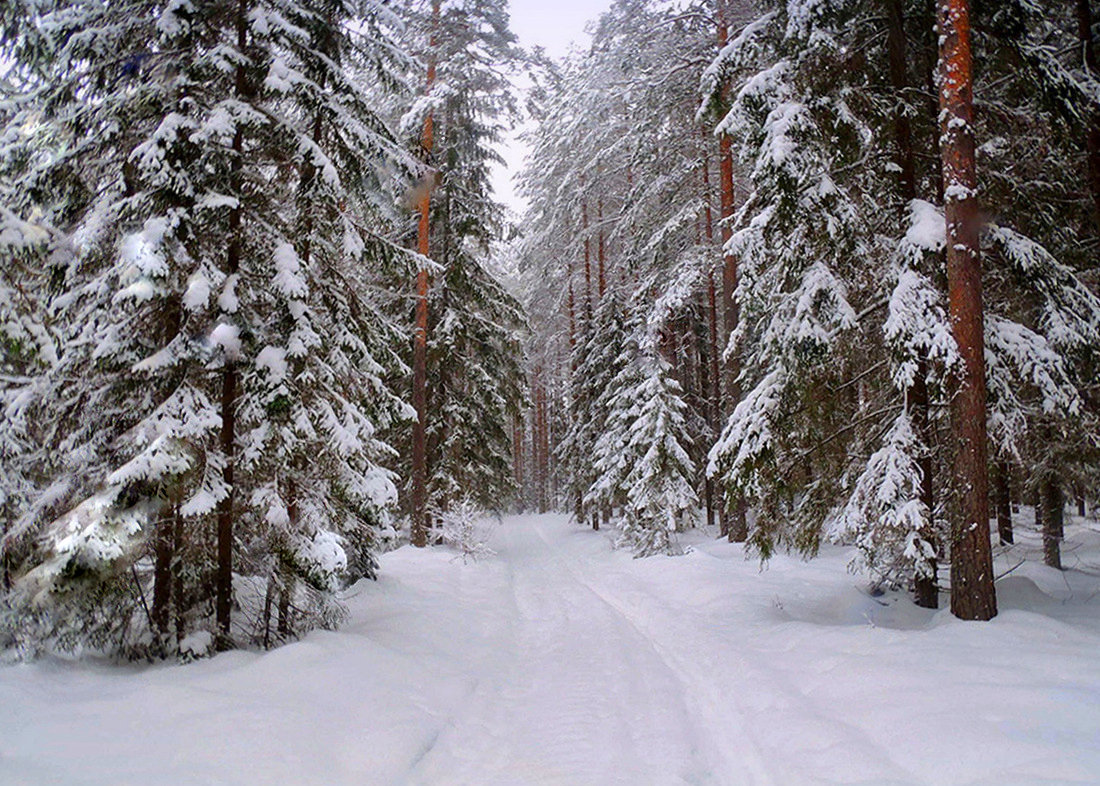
(560, 661)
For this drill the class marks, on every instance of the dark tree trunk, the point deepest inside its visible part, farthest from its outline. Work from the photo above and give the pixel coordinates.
(224, 577)
(269, 599)
(1003, 490)
(926, 592)
(1092, 134)
(178, 546)
(973, 596)
(163, 543)
(286, 591)
(223, 574)
(1052, 501)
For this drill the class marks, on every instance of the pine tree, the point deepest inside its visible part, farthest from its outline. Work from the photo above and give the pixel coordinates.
(470, 323)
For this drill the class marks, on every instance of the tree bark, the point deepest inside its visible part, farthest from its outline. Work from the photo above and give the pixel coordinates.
(926, 590)
(223, 575)
(973, 596)
(587, 260)
(1003, 480)
(600, 252)
(419, 534)
(1092, 134)
(1052, 500)
(737, 527)
(163, 542)
(177, 576)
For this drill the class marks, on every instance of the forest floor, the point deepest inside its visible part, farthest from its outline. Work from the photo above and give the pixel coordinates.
(559, 660)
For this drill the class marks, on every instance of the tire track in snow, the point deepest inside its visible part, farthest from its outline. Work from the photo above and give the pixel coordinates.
(700, 695)
(583, 698)
(773, 682)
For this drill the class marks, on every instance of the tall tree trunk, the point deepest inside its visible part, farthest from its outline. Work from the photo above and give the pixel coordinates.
(1053, 502)
(737, 528)
(223, 575)
(419, 535)
(177, 575)
(517, 460)
(714, 390)
(600, 253)
(1003, 481)
(587, 260)
(973, 596)
(223, 583)
(1092, 134)
(925, 589)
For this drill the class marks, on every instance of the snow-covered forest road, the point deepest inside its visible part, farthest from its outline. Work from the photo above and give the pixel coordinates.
(561, 661)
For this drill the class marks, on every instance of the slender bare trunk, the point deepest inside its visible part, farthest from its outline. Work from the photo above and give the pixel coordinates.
(972, 593)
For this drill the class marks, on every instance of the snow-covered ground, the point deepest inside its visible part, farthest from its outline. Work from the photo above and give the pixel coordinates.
(561, 661)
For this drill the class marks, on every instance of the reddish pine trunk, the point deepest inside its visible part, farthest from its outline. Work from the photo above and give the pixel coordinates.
(972, 593)
(600, 247)
(737, 527)
(587, 261)
(420, 333)
(544, 451)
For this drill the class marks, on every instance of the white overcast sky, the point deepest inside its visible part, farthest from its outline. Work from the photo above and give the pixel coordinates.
(553, 25)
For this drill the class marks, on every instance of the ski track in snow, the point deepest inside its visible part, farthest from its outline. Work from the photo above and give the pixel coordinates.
(562, 661)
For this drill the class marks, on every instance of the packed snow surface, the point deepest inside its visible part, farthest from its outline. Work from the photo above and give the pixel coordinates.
(558, 660)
